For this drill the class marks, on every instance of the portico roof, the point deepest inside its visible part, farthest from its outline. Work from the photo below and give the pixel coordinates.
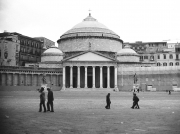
(91, 56)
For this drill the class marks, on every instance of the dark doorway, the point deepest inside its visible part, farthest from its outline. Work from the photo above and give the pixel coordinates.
(89, 84)
(89, 76)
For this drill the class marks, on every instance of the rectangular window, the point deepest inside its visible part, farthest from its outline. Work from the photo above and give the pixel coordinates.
(164, 56)
(177, 56)
(158, 57)
(145, 57)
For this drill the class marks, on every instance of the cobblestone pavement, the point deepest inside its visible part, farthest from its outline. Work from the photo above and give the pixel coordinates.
(84, 113)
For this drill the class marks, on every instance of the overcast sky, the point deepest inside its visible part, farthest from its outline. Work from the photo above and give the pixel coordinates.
(132, 20)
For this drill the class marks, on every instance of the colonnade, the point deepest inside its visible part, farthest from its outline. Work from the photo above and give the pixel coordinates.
(79, 80)
(27, 79)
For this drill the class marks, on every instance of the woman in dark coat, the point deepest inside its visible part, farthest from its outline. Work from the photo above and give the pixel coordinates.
(108, 101)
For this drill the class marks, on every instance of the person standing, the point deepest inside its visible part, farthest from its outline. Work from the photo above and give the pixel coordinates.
(135, 102)
(50, 100)
(108, 101)
(42, 100)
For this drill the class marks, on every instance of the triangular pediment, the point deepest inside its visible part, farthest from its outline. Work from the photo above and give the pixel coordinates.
(90, 56)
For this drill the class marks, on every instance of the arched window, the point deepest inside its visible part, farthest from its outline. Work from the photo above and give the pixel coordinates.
(177, 63)
(164, 64)
(158, 64)
(170, 64)
(170, 56)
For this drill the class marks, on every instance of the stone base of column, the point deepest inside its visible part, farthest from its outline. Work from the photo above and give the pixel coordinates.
(63, 88)
(116, 88)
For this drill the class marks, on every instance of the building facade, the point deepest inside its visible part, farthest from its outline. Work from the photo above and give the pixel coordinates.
(9, 50)
(91, 56)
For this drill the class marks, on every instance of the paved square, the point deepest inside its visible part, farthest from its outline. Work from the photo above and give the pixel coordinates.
(84, 113)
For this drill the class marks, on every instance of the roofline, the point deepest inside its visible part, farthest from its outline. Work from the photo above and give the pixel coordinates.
(118, 39)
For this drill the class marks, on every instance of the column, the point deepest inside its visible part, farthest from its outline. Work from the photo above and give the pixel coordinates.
(101, 77)
(94, 77)
(6, 82)
(78, 76)
(71, 76)
(57, 81)
(51, 81)
(25, 82)
(32, 80)
(38, 79)
(12, 79)
(108, 77)
(64, 80)
(115, 79)
(1, 78)
(19, 79)
(85, 76)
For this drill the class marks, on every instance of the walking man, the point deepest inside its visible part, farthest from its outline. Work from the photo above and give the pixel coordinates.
(108, 101)
(50, 100)
(42, 100)
(135, 102)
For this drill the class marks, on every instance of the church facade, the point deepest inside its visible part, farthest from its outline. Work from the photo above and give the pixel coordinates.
(91, 56)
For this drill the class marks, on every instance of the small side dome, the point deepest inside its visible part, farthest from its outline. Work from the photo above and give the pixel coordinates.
(127, 55)
(127, 51)
(52, 54)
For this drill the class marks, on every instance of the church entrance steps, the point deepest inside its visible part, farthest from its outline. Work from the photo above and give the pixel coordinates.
(88, 89)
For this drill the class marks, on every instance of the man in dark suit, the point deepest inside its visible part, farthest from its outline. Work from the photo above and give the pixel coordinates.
(135, 102)
(108, 101)
(50, 100)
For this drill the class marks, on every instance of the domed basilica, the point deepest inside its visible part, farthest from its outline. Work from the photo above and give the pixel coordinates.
(90, 55)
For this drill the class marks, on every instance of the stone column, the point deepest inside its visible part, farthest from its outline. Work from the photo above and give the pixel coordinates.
(94, 77)
(101, 86)
(12, 79)
(6, 82)
(57, 81)
(115, 79)
(51, 80)
(71, 76)
(85, 76)
(1, 78)
(78, 76)
(38, 79)
(64, 80)
(32, 80)
(108, 77)
(25, 82)
(19, 80)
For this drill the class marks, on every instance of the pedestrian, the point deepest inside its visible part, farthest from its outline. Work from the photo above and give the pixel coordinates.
(108, 101)
(50, 100)
(135, 102)
(169, 92)
(42, 100)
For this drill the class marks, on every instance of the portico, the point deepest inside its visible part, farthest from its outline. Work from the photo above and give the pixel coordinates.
(96, 72)
(89, 76)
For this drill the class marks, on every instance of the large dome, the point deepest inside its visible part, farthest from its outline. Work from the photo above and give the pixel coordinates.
(89, 31)
(90, 25)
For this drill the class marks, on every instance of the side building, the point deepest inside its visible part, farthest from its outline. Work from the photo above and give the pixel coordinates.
(29, 50)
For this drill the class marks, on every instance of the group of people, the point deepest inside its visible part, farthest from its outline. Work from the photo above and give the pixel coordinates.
(50, 99)
(134, 106)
